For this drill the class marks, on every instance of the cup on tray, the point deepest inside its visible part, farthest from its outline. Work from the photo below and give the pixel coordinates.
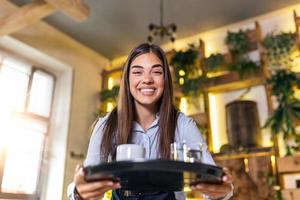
(130, 152)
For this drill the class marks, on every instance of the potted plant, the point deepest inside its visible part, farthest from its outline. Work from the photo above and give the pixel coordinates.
(111, 94)
(187, 70)
(284, 83)
(279, 48)
(243, 67)
(237, 42)
(213, 63)
(107, 96)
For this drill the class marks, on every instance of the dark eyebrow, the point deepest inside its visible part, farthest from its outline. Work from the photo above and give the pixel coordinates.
(154, 66)
(136, 66)
(157, 65)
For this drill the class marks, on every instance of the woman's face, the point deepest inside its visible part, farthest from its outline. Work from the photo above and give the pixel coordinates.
(146, 79)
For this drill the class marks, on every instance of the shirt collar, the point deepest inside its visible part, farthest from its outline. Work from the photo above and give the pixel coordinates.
(137, 127)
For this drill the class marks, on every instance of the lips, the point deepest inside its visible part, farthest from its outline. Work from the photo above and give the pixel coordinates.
(147, 91)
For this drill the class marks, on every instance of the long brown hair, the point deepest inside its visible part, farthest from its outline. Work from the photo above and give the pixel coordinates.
(118, 127)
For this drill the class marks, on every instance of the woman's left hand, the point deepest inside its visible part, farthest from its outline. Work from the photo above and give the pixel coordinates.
(216, 191)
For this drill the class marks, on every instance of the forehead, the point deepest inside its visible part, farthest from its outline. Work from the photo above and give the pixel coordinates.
(146, 59)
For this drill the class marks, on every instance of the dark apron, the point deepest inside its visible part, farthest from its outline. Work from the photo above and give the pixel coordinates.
(116, 195)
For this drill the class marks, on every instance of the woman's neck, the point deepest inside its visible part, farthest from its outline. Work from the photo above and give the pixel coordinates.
(145, 116)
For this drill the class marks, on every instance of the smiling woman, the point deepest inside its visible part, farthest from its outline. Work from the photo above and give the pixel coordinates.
(146, 116)
(146, 80)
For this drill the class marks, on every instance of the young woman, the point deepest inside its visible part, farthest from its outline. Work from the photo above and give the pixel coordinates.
(145, 115)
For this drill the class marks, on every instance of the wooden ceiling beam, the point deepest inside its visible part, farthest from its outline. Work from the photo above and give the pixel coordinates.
(25, 16)
(76, 9)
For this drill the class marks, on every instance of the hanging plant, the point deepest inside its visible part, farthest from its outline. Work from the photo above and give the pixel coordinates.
(185, 61)
(186, 69)
(213, 63)
(279, 48)
(191, 87)
(109, 94)
(243, 67)
(283, 83)
(237, 42)
(293, 143)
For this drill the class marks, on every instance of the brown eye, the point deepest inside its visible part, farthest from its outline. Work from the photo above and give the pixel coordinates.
(137, 72)
(158, 72)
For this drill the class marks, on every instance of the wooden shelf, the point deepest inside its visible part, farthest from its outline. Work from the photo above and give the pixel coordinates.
(290, 194)
(264, 151)
(232, 81)
(228, 82)
(288, 164)
(106, 72)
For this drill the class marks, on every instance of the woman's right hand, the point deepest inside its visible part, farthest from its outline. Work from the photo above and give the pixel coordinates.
(91, 190)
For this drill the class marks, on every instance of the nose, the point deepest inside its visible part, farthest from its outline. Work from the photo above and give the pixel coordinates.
(148, 79)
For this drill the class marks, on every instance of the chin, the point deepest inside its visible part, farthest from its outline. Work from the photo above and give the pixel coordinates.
(147, 102)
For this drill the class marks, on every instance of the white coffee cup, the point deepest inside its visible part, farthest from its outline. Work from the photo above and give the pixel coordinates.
(130, 152)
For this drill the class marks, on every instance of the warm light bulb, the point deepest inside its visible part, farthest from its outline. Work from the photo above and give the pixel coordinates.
(109, 107)
(273, 162)
(181, 72)
(246, 163)
(110, 83)
(181, 81)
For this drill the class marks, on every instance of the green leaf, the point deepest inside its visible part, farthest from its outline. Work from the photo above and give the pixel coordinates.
(238, 42)
(186, 61)
(244, 67)
(109, 94)
(213, 62)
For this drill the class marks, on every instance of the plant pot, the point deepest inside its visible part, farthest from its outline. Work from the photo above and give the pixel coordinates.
(227, 58)
(243, 128)
(252, 39)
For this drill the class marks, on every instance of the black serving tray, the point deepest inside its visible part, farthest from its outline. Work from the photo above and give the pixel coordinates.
(155, 175)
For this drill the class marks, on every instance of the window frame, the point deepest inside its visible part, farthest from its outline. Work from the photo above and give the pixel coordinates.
(29, 115)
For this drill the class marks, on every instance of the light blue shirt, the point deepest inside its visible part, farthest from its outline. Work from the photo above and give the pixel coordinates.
(186, 131)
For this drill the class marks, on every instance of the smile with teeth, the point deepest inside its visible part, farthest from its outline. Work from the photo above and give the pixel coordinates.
(147, 91)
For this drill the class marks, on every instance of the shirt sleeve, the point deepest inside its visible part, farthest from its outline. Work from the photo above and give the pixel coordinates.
(70, 191)
(188, 132)
(93, 156)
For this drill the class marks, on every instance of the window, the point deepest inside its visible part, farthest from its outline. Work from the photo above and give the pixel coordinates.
(26, 96)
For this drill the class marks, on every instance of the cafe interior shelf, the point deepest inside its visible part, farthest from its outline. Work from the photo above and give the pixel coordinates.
(254, 152)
